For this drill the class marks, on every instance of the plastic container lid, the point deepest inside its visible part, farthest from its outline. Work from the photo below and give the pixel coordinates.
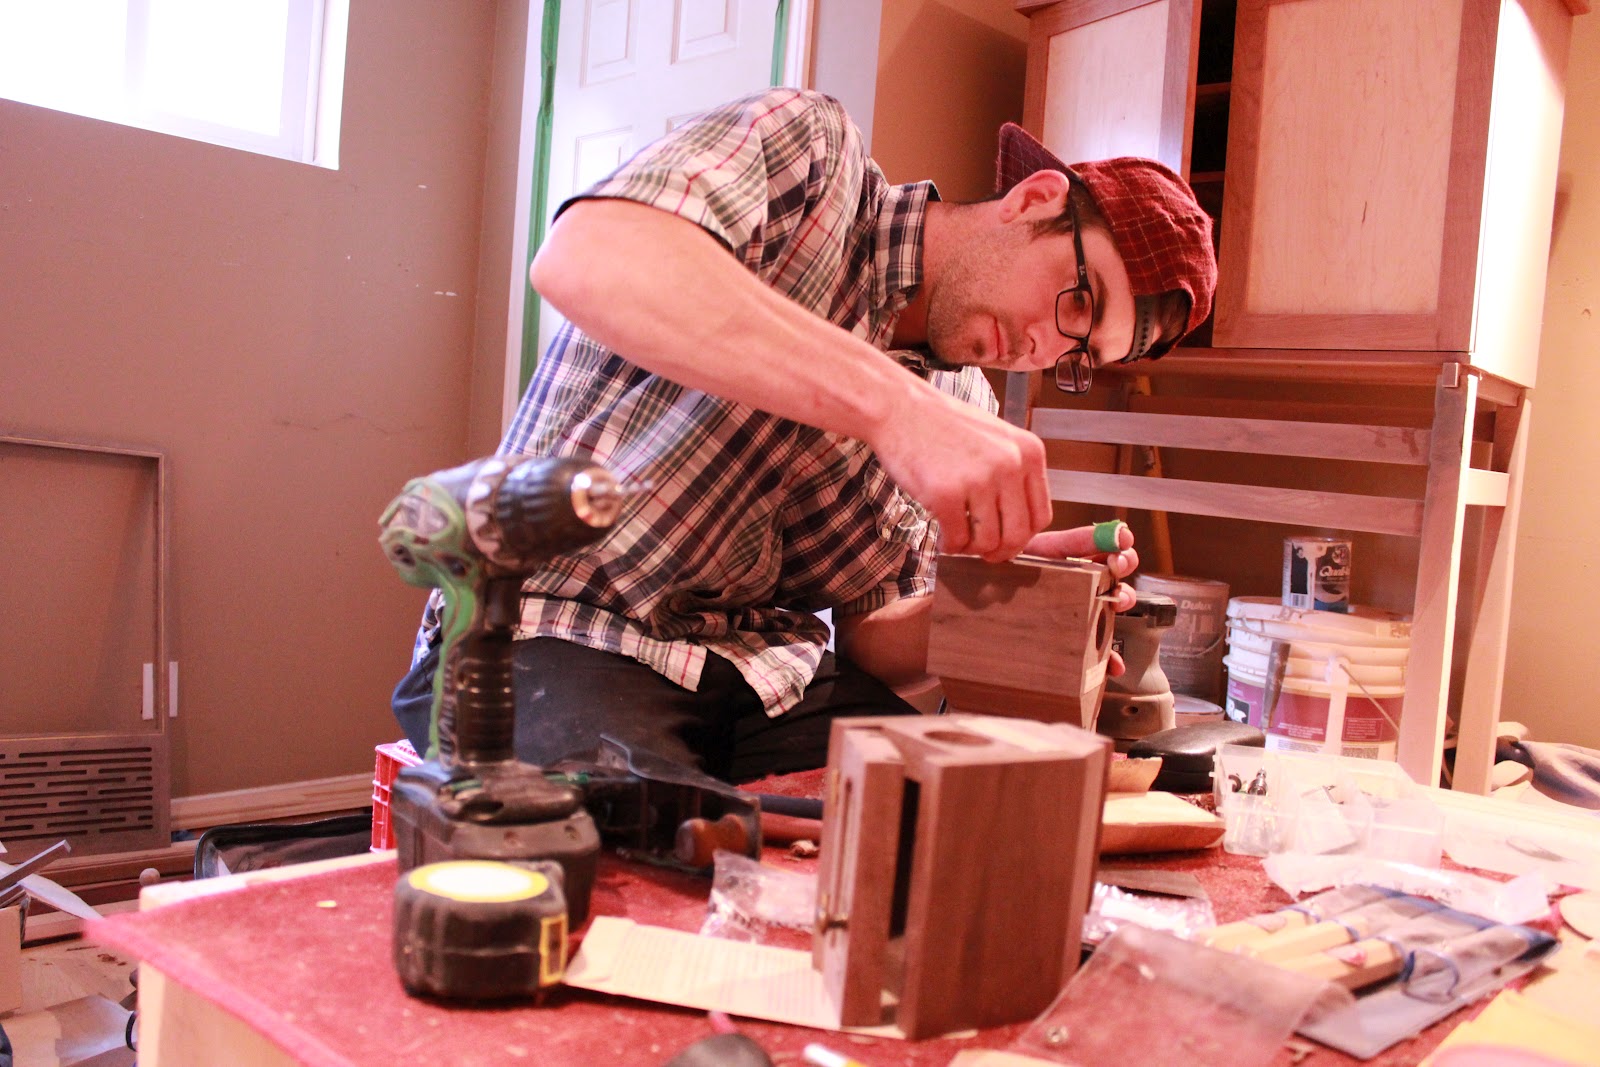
(1187, 708)
(1254, 674)
(1261, 644)
(1363, 625)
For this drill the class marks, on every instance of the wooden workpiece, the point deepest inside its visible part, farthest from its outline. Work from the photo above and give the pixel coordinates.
(958, 859)
(1353, 966)
(1136, 823)
(1027, 638)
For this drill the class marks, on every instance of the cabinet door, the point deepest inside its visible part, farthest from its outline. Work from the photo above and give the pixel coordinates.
(1355, 174)
(1112, 78)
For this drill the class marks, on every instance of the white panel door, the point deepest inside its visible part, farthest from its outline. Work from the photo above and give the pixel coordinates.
(628, 71)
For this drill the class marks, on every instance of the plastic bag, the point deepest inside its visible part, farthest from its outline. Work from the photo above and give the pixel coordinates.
(1179, 1004)
(1112, 906)
(749, 900)
(1517, 901)
(1273, 802)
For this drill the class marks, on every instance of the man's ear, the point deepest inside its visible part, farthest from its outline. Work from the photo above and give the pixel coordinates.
(1040, 196)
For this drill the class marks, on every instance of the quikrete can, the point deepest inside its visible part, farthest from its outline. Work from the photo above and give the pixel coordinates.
(1316, 573)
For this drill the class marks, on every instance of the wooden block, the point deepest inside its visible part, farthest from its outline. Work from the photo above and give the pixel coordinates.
(856, 871)
(1354, 924)
(974, 874)
(1231, 937)
(1133, 775)
(10, 959)
(1352, 966)
(1027, 639)
(1155, 822)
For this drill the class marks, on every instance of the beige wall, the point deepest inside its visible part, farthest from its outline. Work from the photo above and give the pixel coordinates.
(1553, 659)
(298, 341)
(949, 73)
(502, 269)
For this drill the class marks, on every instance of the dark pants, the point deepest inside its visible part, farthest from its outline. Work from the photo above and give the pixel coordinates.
(567, 695)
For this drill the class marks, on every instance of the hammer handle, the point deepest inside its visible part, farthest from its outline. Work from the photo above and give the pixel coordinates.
(778, 829)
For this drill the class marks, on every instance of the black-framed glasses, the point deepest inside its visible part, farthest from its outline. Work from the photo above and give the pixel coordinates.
(1075, 366)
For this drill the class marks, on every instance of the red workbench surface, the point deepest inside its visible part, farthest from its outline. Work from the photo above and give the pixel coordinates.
(306, 961)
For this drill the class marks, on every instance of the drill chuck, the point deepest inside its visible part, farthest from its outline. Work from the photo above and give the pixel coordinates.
(476, 532)
(521, 512)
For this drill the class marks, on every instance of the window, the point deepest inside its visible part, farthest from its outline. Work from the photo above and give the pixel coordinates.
(261, 75)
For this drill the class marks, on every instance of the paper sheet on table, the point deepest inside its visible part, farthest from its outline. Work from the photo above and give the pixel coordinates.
(1512, 1020)
(673, 967)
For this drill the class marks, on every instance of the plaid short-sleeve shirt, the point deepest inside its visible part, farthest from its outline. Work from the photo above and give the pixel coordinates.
(753, 522)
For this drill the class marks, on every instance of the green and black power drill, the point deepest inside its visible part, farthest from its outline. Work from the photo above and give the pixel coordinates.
(463, 927)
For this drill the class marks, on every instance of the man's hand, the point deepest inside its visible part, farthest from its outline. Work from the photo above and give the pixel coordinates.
(1079, 543)
(981, 477)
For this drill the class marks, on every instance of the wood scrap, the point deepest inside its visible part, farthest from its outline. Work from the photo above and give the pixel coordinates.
(1133, 774)
(1155, 822)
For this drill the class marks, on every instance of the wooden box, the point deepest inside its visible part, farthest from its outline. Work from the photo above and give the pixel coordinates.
(958, 859)
(1028, 638)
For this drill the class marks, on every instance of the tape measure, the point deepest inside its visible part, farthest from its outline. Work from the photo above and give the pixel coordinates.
(480, 929)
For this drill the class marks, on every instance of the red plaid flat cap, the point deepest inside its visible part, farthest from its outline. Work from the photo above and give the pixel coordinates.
(1161, 230)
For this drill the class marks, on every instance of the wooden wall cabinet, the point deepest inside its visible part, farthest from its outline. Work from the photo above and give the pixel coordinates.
(1391, 172)
(1083, 92)
(1383, 210)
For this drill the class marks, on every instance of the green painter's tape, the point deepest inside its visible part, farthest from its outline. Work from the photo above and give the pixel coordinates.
(1105, 535)
(780, 41)
(549, 41)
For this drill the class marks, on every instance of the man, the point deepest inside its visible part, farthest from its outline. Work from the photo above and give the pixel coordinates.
(787, 350)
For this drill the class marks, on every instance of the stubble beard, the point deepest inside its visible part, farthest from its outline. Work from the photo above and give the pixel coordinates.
(952, 304)
(965, 294)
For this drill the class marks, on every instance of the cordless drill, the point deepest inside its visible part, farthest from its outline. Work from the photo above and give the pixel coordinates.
(475, 532)
(496, 853)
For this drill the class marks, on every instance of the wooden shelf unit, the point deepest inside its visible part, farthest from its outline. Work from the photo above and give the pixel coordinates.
(1311, 293)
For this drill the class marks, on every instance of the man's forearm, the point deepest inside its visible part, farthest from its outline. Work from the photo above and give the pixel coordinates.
(660, 290)
(891, 644)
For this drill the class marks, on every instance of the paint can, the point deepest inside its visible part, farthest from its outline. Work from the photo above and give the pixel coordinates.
(1316, 573)
(1343, 679)
(1191, 652)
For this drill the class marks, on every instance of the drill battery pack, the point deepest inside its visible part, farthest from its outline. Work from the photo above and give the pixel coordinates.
(428, 831)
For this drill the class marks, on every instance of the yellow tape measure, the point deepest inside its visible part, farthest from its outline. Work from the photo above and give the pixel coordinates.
(480, 929)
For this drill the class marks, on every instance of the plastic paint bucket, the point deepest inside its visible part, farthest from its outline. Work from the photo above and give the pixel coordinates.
(1257, 640)
(1191, 652)
(1361, 626)
(1309, 659)
(1343, 682)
